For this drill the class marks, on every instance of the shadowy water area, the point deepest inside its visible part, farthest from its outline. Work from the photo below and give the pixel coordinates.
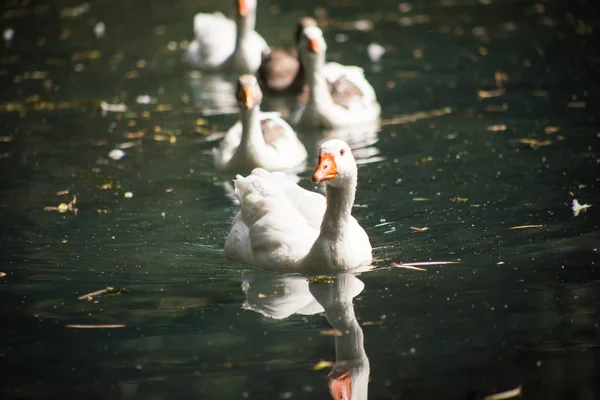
(489, 133)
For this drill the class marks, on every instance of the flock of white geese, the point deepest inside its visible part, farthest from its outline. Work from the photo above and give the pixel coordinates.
(280, 224)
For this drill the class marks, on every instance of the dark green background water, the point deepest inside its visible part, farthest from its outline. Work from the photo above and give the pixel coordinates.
(521, 308)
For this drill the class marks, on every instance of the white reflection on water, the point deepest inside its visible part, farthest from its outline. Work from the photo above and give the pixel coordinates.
(280, 297)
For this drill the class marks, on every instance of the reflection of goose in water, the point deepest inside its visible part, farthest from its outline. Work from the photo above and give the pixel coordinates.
(213, 94)
(282, 296)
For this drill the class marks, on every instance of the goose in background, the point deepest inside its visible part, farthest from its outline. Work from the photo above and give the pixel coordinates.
(221, 44)
(337, 95)
(258, 140)
(281, 70)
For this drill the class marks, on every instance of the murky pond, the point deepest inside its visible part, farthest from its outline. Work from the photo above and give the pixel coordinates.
(489, 133)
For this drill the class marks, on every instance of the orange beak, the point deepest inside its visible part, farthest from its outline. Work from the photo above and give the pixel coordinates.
(326, 170)
(313, 46)
(340, 385)
(242, 7)
(247, 98)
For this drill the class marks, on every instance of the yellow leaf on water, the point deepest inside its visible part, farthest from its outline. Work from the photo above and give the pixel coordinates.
(2, 274)
(459, 199)
(322, 364)
(261, 296)
(497, 128)
(332, 332)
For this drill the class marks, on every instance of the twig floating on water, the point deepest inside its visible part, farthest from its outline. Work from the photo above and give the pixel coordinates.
(403, 119)
(509, 394)
(91, 295)
(525, 227)
(102, 326)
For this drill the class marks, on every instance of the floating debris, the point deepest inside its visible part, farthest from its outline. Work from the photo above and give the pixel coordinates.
(120, 107)
(91, 295)
(74, 12)
(417, 229)
(99, 30)
(551, 129)
(116, 154)
(509, 394)
(525, 227)
(375, 51)
(406, 118)
(396, 265)
(420, 199)
(577, 208)
(2, 274)
(458, 199)
(371, 323)
(128, 195)
(103, 326)
(8, 34)
(64, 207)
(5, 139)
(108, 291)
(534, 143)
(332, 332)
(497, 128)
(413, 265)
(322, 365)
(143, 99)
(486, 94)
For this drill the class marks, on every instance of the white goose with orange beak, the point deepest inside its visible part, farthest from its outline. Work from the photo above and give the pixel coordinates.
(281, 225)
(221, 44)
(339, 95)
(259, 140)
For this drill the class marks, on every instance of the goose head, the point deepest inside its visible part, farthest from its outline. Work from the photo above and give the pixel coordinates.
(244, 8)
(303, 22)
(337, 166)
(248, 93)
(312, 46)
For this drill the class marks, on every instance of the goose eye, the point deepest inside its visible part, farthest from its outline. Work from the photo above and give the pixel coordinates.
(342, 152)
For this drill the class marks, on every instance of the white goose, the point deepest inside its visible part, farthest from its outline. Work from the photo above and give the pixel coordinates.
(224, 45)
(281, 225)
(259, 140)
(338, 95)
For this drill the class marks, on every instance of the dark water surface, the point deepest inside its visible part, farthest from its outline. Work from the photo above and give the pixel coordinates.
(465, 87)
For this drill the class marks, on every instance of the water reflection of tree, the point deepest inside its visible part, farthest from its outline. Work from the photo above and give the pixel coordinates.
(280, 297)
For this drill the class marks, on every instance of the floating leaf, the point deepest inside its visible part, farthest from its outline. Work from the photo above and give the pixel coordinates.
(534, 143)
(525, 227)
(551, 129)
(332, 332)
(322, 365)
(2, 274)
(417, 229)
(505, 395)
(486, 94)
(459, 199)
(497, 128)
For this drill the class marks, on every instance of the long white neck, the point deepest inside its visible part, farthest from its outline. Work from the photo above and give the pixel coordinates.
(350, 354)
(338, 211)
(315, 77)
(252, 136)
(245, 25)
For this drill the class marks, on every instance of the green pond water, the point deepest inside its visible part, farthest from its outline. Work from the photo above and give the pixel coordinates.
(490, 122)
